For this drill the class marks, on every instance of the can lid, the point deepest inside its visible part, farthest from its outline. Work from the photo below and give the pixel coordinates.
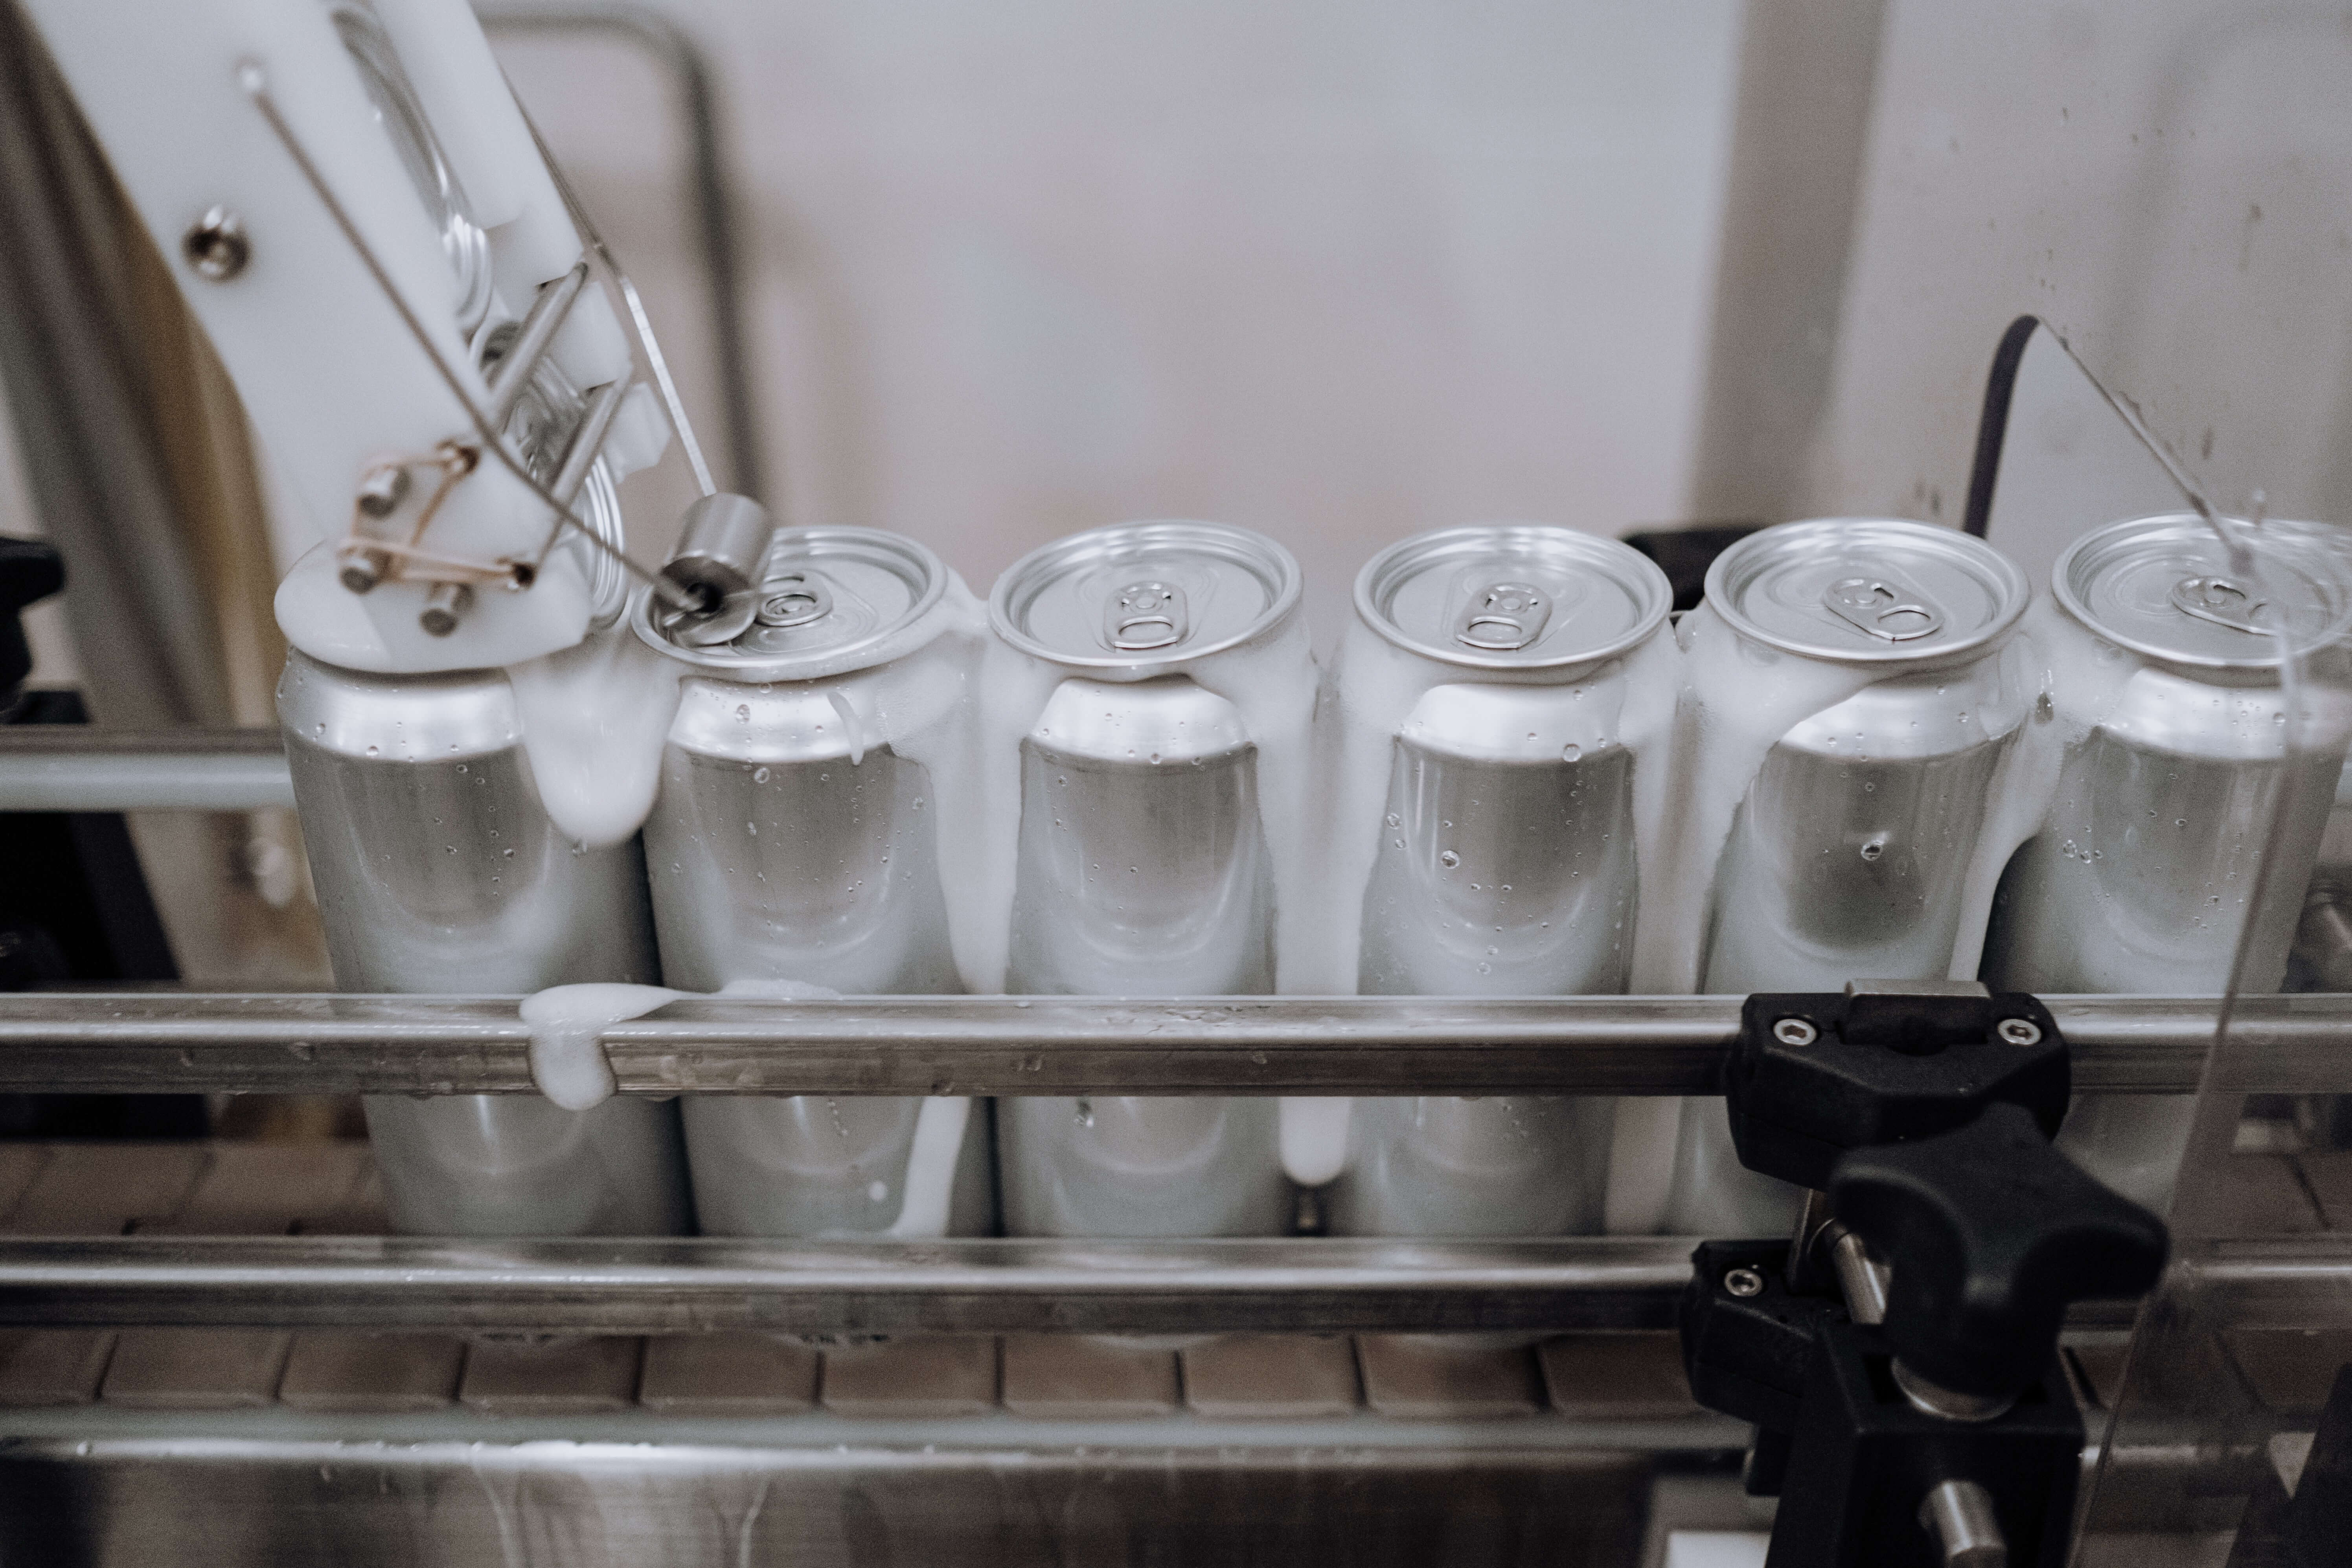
(1138, 595)
(2163, 586)
(1513, 595)
(1875, 591)
(831, 600)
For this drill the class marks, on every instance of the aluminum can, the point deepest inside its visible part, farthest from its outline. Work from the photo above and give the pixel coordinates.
(437, 869)
(1849, 854)
(1142, 864)
(1498, 872)
(794, 839)
(2166, 702)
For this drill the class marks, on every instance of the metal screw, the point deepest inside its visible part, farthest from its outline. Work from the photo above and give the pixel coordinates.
(443, 605)
(1795, 1032)
(363, 572)
(215, 244)
(1743, 1282)
(2019, 1031)
(382, 489)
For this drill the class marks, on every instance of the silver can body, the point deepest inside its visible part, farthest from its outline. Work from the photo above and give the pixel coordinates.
(1141, 866)
(2140, 880)
(786, 844)
(438, 870)
(1497, 873)
(1139, 877)
(1848, 857)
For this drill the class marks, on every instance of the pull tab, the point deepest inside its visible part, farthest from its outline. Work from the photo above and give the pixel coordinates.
(1503, 618)
(1885, 608)
(1146, 616)
(2221, 602)
(793, 599)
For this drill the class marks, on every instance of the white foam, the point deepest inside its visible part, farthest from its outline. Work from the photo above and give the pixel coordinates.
(924, 1198)
(567, 1053)
(593, 718)
(1313, 1137)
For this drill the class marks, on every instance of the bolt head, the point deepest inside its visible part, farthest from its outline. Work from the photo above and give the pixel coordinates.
(1743, 1282)
(215, 244)
(2019, 1031)
(1795, 1032)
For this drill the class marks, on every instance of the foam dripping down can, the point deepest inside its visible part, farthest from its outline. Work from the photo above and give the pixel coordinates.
(1487, 677)
(1142, 863)
(795, 838)
(1849, 853)
(2166, 729)
(438, 870)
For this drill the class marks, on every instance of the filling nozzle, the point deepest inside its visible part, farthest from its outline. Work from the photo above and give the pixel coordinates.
(710, 585)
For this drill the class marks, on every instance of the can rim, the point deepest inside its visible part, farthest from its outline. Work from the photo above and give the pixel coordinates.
(1377, 579)
(2016, 592)
(1029, 577)
(819, 543)
(2062, 588)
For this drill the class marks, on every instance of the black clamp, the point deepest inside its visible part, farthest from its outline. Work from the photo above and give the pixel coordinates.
(1898, 1358)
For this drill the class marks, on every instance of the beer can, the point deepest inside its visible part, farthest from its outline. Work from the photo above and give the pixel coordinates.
(438, 869)
(795, 837)
(1853, 687)
(1485, 695)
(1161, 733)
(2166, 726)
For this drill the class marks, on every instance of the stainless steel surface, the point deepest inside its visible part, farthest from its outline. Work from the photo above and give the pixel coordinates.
(1859, 1276)
(587, 441)
(57, 767)
(1949, 1403)
(655, 1286)
(436, 866)
(860, 1499)
(180, 1042)
(787, 845)
(1142, 864)
(1959, 1515)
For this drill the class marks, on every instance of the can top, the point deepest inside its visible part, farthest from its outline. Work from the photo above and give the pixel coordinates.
(831, 600)
(2163, 586)
(1137, 595)
(1513, 595)
(1875, 591)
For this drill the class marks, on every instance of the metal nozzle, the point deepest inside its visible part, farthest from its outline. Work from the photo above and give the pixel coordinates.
(443, 606)
(722, 554)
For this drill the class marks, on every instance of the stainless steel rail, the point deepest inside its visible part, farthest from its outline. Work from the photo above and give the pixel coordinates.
(637, 1287)
(57, 767)
(155, 1042)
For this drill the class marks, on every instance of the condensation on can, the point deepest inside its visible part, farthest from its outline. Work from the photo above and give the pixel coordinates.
(789, 841)
(2168, 707)
(1143, 866)
(437, 869)
(1848, 858)
(1497, 872)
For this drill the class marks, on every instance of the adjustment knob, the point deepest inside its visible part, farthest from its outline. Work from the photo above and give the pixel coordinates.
(1990, 1233)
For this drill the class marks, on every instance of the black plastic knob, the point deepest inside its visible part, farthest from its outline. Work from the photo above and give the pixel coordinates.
(30, 570)
(1990, 1233)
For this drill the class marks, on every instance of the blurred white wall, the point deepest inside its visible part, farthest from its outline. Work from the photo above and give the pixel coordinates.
(1335, 271)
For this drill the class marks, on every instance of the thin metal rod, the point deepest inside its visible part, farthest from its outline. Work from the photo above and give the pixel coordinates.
(512, 375)
(588, 439)
(57, 767)
(123, 1042)
(835, 1287)
(256, 83)
(639, 322)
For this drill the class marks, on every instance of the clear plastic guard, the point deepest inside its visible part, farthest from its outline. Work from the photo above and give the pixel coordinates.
(2230, 1395)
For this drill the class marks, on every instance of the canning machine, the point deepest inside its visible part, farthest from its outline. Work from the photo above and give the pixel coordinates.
(2056, 1267)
